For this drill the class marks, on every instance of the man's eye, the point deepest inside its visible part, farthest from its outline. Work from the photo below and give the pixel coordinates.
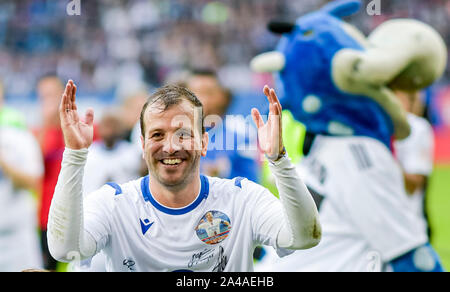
(184, 135)
(156, 135)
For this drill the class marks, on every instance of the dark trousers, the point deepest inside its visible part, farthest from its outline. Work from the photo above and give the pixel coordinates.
(49, 262)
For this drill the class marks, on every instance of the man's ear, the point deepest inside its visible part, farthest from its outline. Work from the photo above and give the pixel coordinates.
(143, 146)
(205, 141)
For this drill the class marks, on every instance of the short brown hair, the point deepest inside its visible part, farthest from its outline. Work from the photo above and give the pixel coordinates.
(168, 96)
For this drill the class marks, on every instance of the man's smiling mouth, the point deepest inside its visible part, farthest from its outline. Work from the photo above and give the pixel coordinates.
(171, 161)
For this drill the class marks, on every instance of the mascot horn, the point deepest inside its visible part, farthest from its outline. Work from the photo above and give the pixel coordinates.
(338, 82)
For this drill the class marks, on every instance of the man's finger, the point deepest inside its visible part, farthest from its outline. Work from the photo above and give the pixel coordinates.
(257, 119)
(266, 91)
(63, 111)
(74, 105)
(275, 109)
(89, 118)
(62, 103)
(66, 93)
(276, 102)
(274, 96)
(69, 90)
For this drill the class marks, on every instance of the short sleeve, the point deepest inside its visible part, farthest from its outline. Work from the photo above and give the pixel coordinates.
(377, 205)
(98, 207)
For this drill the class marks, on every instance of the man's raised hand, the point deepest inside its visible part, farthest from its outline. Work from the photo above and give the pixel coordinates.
(78, 134)
(270, 133)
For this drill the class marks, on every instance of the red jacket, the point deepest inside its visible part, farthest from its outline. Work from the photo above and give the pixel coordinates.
(52, 150)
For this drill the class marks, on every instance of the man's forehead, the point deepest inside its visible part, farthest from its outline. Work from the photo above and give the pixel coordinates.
(156, 116)
(158, 111)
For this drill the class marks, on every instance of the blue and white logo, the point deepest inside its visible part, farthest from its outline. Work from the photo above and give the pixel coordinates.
(145, 225)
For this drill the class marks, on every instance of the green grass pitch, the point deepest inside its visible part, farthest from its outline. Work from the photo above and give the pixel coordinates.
(438, 207)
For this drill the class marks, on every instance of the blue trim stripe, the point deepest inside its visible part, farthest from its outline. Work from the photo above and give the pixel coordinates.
(148, 197)
(145, 188)
(238, 180)
(116, 187)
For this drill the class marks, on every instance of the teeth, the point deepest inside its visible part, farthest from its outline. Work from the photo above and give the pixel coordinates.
(172, 161)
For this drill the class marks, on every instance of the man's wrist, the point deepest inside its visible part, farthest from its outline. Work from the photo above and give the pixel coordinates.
(75, 156)
(280, 156)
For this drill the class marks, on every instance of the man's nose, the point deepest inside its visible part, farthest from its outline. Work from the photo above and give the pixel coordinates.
(171, 144)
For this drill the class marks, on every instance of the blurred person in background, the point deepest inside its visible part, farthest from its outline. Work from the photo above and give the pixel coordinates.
(20, 173)
(131, 107)
(50, 137)
(9, 117)
(221, 161)
(110, 158)
(416, 154)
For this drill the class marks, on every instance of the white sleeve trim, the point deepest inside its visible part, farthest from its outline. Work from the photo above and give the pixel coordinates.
(67, 238)
(301, 228)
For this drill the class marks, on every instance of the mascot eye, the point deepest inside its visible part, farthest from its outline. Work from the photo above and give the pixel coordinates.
(308, 33)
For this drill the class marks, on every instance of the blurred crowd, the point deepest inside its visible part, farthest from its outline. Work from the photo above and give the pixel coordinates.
(113, 43)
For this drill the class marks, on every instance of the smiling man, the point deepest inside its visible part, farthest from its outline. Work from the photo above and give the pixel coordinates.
(173, 142)
(154, 223)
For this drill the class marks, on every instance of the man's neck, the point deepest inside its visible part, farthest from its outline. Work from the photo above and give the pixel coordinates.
(177, 196)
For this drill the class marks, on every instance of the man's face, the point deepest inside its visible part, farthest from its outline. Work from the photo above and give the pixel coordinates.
(209, 217)
(210, 93)
(50, 91)
(173, 143)
(110, 129)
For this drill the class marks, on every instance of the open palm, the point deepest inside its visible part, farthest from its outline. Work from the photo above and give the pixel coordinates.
(270, 133)
(78, 134)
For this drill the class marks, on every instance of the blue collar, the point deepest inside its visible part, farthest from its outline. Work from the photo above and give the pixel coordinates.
(148, 197)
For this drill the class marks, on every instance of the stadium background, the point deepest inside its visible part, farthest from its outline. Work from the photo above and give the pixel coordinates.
(116, 45)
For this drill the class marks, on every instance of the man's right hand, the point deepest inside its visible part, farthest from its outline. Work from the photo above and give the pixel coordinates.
(78, 134)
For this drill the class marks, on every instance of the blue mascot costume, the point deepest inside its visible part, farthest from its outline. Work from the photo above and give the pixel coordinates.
(339, 84)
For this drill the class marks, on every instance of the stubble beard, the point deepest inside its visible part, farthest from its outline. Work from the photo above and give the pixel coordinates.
(190, 173)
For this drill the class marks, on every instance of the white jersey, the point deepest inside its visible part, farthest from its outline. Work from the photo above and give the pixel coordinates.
(415, 155)
(364, 210)
(19, 244)
(120, 164)
(138, 234)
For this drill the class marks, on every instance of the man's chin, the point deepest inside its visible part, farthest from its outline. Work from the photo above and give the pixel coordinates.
(172, 179)
(174, 176)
